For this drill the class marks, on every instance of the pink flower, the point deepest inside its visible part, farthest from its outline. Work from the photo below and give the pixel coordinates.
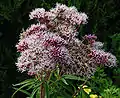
(34, 29)
(22, 46)
(38, 13)
(90, 39)
(102, 57)
(52, 41)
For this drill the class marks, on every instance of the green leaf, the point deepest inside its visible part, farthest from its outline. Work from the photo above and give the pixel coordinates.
(38, 94)
(82, 94)
(23, 91)
(34, 91)
(66, 95)
(72, 84)
(24, 82)
(56, 75)
(35, 84)
(38, 84)
(58, 71)
(21, 88)
(64, 81)
(64, 86)
(30, 87)
(46, 90)
(72, 77)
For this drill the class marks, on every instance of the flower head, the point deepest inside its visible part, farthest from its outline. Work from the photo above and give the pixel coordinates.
(52, 41)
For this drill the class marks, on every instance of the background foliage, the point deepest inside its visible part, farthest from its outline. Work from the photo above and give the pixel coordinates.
(103, 21)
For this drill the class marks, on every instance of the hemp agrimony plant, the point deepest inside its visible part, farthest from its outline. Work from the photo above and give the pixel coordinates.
(50, 52)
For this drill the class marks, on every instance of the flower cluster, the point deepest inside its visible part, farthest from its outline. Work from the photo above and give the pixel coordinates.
(90, 38)
(69, 14)
(35, 28)
(61, 19)
(104, 58)
(97, 45)
(98, 54)
(52, 42)
(41, 51)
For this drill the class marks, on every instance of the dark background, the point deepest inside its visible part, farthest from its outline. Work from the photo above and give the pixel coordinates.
(104, 21)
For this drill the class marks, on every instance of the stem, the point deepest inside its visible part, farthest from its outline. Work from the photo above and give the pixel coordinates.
(79, 89)
(42, 91)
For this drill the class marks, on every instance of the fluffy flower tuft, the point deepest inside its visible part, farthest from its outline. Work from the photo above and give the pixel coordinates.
(52, 42)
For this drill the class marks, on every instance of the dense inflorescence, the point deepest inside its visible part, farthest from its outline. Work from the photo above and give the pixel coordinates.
(98, 54)
(52, 42)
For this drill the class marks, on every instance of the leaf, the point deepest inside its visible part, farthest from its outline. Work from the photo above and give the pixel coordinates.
(21, 88)
(64, 81)
(35, 84)
(34, 91)
(64, 86)
(66, 95)
(56, 75)
(38, 94)
(72, 77)
(39, 83)
(82, 94)
(46, 90)
(24, 82)
(23, 91)
(58, 71)
(30, 87)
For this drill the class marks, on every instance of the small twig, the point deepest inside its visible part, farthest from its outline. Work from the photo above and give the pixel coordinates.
(79, 89)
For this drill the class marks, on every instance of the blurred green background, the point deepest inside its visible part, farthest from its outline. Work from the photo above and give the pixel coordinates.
(104, 21)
